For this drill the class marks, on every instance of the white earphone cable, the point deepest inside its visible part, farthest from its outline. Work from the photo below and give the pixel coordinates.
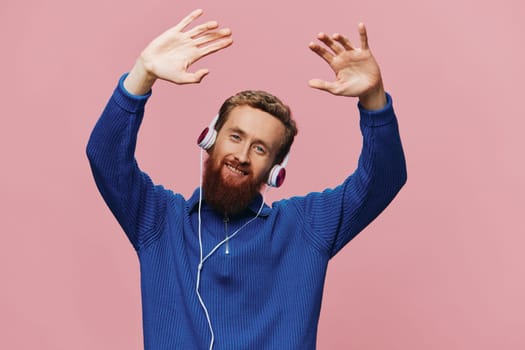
(199, 268)
(201, 259)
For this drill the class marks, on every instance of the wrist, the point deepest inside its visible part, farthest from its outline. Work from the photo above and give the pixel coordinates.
(374, 99)
(139, 80)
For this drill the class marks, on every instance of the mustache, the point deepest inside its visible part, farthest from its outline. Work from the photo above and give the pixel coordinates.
(242, 166)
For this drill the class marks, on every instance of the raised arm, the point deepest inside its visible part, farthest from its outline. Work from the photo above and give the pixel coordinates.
(336, 215)
(137, 204)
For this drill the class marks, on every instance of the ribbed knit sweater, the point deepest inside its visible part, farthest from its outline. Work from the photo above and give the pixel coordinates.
(264, 292)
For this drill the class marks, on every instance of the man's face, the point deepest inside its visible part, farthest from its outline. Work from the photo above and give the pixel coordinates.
(241, 158)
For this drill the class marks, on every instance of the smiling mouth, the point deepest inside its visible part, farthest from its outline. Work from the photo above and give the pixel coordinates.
(236, 170)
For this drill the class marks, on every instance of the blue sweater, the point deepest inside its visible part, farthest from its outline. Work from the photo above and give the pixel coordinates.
(266, 292)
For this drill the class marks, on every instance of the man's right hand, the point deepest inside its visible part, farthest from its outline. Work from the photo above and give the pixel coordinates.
(169, 56)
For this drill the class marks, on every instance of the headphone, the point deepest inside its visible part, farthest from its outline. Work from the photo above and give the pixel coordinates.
(208, 136)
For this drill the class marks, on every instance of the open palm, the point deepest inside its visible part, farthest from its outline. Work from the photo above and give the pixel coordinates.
(357, 72)
(169, 56)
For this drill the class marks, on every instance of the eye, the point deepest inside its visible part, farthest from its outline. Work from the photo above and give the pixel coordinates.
(235, 137)
(259, 149)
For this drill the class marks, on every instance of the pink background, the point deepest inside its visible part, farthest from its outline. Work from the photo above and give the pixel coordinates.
(442, 268)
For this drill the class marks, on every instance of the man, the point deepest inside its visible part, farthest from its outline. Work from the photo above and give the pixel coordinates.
(221, 269)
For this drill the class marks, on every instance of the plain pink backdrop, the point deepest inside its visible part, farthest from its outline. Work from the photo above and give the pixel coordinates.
(441, 268)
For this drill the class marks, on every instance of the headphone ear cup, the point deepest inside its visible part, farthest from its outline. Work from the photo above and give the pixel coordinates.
(276, 176)
(207, 138)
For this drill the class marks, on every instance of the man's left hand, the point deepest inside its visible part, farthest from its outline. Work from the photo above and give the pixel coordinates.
(357, 72)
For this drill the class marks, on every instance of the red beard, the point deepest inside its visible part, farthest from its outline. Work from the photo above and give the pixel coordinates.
(225, 194)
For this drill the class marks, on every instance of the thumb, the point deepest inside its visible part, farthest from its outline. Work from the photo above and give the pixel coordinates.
(322, 85)
(192, 78)
(200, 74)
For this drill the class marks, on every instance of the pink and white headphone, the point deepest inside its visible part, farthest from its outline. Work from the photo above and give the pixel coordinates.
(208, 136)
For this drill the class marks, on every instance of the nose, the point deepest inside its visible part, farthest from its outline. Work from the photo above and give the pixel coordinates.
(243, 154)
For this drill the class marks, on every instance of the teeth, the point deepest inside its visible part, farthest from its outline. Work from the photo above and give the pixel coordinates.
(235, 170)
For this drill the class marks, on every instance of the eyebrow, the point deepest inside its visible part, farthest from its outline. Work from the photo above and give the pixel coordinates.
(243, 133)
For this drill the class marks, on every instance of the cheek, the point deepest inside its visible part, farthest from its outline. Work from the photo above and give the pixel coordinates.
(223, 147)
(262, 168)
(218, 151)
(215, 158)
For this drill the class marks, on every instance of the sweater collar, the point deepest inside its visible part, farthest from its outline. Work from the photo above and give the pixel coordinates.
(193, 204)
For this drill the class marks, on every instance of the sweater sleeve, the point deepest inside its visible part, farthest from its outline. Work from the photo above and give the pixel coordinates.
(134, 200)
(335, 216)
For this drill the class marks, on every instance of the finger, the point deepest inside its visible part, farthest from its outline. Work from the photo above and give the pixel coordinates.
(323, 85)
(321, 51)
(215, 46)
(203, 39)
(343, 41)
(336, 48)
(362, 34)
(188, 19)
(202, 28)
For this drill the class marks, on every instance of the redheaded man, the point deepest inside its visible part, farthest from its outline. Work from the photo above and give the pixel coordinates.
(222, 269)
